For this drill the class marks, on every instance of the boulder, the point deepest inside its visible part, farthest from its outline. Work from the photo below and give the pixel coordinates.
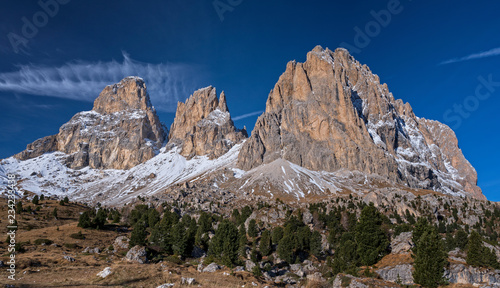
(137, 254)
(212, 268)
(402, 243)
(121, 242)
(105, 273)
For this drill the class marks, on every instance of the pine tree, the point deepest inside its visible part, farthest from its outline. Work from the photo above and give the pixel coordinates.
(315, 243)
(100, 219)
(475, 249)
(461, 239)
(153, 217)
(54, 212)
(66, 200)
(35, 200)
(252, 228)
(179, 242)
(285, 249)
(84, 221)
(277, 235)
(346, 256)
(265, 243)
(42, 197)
(371, 240)
(138, 235)
(224, 244)
(19, 207)
(430, 259)
(242, 240)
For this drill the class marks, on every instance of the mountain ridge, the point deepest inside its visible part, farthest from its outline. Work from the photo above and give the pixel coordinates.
(329, 118)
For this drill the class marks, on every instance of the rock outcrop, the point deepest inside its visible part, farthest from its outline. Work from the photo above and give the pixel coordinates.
(331, 113)
(120, 132)
(203, 125)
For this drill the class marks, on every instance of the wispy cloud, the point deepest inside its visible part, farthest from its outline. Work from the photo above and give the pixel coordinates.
(484, 54)
(80, 80)
(246, 115)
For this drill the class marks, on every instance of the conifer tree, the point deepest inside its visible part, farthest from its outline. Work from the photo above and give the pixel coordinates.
(277, 235)
(224, 244)
(371, 240)
(430, 259)
(265, 243)
(19, 207)
(139, 234)
(35, 200)
(285, 248)
(252, 228)
(315, 243)
(84, 221)
(243, 240)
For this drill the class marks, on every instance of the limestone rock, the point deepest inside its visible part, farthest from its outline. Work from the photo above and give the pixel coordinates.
(121, 242)
(120, 132)
(203, 125)
(211, 268)
(39, 147)
(249, 265)
(463, 274)
(402, 243)
(335, 109)
(401, 272)
(137, 254)
(105, 273)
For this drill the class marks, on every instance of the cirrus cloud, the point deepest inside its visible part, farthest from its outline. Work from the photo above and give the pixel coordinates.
(484, 54)
(81, 80)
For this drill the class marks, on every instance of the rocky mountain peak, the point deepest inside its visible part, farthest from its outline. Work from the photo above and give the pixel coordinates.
(120, 132)
(129, 94)
(331, 113)
(203, 125)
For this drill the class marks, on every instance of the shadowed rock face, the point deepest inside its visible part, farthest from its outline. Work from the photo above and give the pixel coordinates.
(331, 113)
(120, 132)
(203, 125)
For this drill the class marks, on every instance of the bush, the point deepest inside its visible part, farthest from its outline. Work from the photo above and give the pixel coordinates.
(256, 271)
(70, 245)
(78, 235)
(43, 241)
(173, 259)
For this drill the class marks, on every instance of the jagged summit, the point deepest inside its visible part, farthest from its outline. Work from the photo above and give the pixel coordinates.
(203, 125)
(331, 113)
(129, 94)
(121, 131)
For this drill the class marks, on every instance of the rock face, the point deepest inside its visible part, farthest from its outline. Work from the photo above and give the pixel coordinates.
(137, 254)
(332, 113)
(120, 132)
(402, 273)
(203, 125)
(462, 274)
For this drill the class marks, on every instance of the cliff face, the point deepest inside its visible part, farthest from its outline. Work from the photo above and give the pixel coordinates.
(203, 125)
(121, 131)
(331, 113)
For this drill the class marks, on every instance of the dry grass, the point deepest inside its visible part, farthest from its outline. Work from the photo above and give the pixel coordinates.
(44, 266)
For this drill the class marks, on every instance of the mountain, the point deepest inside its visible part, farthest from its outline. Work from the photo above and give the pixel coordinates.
(121, 131)
(330, 128)
(332, 113)
(203, 125)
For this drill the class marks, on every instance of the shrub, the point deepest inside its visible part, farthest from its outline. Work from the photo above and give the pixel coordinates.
(78, 235)
(43, 241)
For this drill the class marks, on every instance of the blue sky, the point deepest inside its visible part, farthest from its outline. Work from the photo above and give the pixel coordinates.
(436, 55)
